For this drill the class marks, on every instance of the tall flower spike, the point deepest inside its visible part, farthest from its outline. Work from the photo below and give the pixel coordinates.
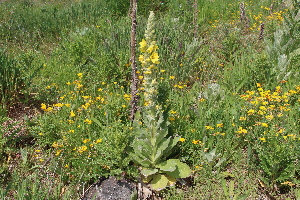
(149, 59)
(152, 146)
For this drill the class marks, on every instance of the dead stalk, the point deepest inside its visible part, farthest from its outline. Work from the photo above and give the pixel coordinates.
(134, 78)
(195, 18)
(243, 17)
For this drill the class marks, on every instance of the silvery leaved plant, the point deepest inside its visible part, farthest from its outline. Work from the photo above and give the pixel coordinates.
(151, 147)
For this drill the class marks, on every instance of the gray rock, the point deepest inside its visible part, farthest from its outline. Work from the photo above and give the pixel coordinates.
(110, 189)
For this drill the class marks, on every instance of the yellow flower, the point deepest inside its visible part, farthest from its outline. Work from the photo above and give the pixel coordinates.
(58, 152)
(209, 127)
(262, 108)
(43, 106)
(242, 130)
(71, 131)
(260, 89)
(98, 141)
(86, 97)
(264, 125)
(171, 118)
(88, 121)
(154, 58)
(201, 100)
(49, 109)
(86, 141)
(242, 118)
(263, 139)
(59, 105)
(143, 45)
(251, 112)
(288, 183)
(72, 114)
(172, 77)
(280, 130)
(182, 140)
(260, 112)
(127, 97)
(71, 121)
(220, 125)
(151, 48)
(82, 149)
(79, 75)
(196, 141)
(40, 133)
(269, 117)
(254, 102)
(55, 144)
(141, 58)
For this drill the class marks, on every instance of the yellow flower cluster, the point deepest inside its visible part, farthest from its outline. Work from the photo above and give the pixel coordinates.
(265, 102)
(267, 109)
(75, 110)
(216, 130)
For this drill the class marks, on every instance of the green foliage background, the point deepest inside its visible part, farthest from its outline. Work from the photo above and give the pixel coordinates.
(73, 56)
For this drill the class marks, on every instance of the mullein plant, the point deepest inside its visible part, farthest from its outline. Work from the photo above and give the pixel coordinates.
(151, 147)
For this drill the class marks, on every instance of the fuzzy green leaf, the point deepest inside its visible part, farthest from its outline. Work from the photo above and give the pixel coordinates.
(147, 179)
(169, 165)
(142, 161)
(172, 143)
(159, 182)
(163, 145)
(148, 172)
(182, 170)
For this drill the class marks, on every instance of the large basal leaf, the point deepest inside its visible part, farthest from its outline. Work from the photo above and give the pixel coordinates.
(172, 180)
(147, 179)
(182, 170)
(169, 165)
(148, 172)
(159, 182)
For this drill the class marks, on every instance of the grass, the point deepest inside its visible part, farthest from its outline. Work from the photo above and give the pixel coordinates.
(232, 98)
